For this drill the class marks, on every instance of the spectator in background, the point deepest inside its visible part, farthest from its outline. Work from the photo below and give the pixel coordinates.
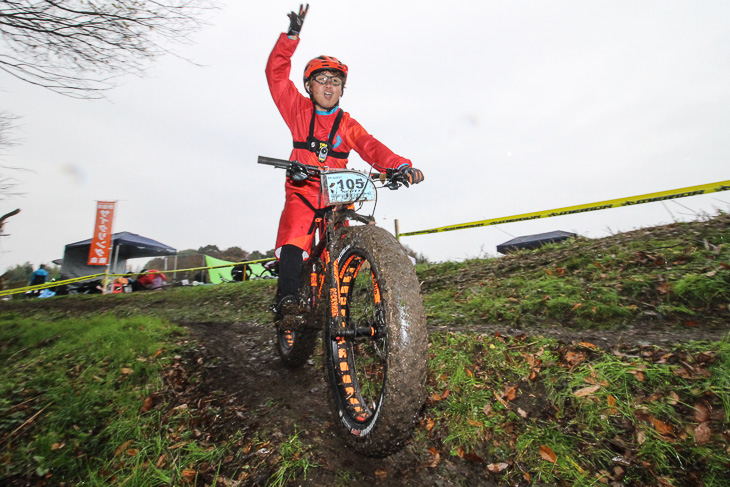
(38, 277)
(150, 280)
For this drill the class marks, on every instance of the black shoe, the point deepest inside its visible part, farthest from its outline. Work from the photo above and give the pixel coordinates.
(286, 306)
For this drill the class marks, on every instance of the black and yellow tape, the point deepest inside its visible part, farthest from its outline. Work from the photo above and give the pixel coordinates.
(571, 210)
(47, 285)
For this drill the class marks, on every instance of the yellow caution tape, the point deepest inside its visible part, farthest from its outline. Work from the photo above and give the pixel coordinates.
(571, 210)
(51, 284)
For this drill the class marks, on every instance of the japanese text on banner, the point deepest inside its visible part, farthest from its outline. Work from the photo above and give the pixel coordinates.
(101, 242)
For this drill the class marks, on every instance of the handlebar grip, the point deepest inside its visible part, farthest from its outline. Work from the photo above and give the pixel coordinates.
(272, 161)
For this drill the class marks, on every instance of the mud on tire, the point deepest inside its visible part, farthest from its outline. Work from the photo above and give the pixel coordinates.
(296, 347)
(377, 383)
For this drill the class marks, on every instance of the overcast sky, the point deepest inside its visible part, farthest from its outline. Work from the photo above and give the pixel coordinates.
(508, 107)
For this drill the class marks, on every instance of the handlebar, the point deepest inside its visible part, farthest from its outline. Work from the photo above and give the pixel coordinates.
(391, 178)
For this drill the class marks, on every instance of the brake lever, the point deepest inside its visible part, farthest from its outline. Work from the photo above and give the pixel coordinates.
(397, 179)
(298, 172)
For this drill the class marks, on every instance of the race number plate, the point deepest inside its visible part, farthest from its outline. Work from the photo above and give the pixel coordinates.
(345, 187)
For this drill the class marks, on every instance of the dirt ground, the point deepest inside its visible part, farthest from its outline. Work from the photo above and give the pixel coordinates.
(258, 396)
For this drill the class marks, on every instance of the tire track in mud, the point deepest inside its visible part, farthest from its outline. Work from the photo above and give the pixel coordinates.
(276, 402)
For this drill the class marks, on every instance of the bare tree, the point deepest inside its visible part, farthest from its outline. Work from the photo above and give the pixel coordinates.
(78, 47)
(7, 183)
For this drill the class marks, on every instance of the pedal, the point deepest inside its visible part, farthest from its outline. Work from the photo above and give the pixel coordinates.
(293, 322)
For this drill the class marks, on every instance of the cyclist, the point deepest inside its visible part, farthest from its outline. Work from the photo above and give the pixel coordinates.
(323, 135)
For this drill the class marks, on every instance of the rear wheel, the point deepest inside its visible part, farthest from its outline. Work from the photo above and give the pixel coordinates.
(295, 347)
(376, 358)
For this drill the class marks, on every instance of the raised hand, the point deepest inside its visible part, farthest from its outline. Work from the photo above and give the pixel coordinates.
(296, 20)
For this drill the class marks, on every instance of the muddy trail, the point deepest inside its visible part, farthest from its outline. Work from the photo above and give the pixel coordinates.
(241, 374)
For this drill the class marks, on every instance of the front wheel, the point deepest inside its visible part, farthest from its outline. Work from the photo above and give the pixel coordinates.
(376, 358)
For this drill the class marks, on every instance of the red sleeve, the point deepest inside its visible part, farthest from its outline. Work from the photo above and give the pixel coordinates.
(372, 150)
(285, 94)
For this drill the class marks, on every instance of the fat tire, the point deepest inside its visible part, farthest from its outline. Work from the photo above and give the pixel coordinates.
(297, 349)
(401, 392)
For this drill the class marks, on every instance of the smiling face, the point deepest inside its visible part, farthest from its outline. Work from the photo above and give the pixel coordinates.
(326, 96)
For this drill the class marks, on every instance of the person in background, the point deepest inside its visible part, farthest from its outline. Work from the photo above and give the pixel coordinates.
(39, 276)
(149, 280)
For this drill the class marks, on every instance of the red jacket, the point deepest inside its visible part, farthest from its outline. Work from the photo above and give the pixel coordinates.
(296, 109)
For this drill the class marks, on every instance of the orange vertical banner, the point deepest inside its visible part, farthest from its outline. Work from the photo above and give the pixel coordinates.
(101, 242)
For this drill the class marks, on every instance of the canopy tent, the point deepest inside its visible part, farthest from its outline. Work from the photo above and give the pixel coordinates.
(223, 274)
(125, 245)
(533, 241)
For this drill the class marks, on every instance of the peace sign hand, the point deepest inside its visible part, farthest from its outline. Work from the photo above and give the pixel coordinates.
(296, 20)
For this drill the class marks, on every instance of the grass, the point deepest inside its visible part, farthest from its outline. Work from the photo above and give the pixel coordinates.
(599, 416)
(294, 463)
(680, 273)
(85, 381)
(72, 405)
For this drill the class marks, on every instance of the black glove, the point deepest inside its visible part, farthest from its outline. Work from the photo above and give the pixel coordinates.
(295, 27)
(413, 175)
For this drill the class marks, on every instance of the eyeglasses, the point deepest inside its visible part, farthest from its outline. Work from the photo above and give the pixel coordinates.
(323, 79)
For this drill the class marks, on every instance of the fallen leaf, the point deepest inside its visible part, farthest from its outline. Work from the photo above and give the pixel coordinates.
(662, 427)
(575, 358)
(429, 424)
(587, 345)
(576, 306)
(445, 394)
(487, 409)
(436, 458)
(673, 398)
(702, 413)
(381, 474)
(436, 397)
(548, 454)
(147, 405)
(473, 457)
(57, 446)
(521, 412)
(497, 467)
(510, 393)
(703, 433)
(127, 371)
(586, 391)
(502, 401)
(122, 447)
(664, 288)
(189, 474)
(132, 452)
(161, 461)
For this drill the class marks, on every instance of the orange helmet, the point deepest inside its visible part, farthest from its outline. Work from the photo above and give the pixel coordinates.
(324, 63)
